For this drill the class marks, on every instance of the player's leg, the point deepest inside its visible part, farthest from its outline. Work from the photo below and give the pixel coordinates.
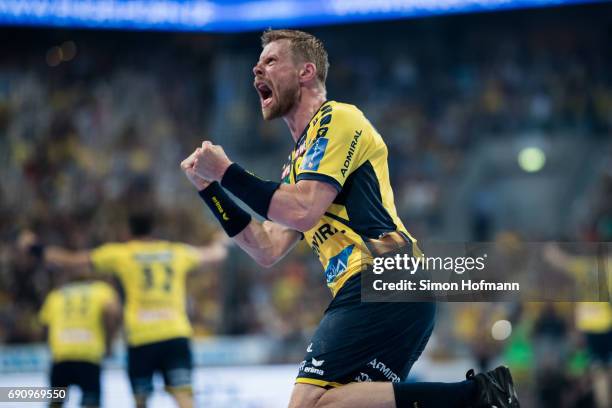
(362, 342)
(176, 366)
(183, 397)
(600, 350)
(373, 346)
(141, 366)
(305, 395)
(601, 385)
(385, 395)
(355, 395)
(366, 344)
(381, 395)
(58, 378)
(484, 390)
(89, 382)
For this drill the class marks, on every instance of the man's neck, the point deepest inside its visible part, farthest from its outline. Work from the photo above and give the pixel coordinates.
(297, 119)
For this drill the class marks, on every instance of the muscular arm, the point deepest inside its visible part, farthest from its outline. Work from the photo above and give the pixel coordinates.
(300, 206)
(67, 259)
(54, 255)
(267, 242)
(213, 253)
(294, 207)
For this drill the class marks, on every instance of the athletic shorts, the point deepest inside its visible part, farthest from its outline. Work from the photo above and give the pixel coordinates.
(170, 357)
(82, 374)
(358, 342)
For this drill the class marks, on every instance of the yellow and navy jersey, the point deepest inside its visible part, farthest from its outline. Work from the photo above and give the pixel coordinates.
(74, 315)
(591, 317)
(594, 317)
(152, 275)
(341, 147)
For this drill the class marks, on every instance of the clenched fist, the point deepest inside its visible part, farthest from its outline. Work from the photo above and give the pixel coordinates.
(187, 167)
(207, 163)
(210, 162)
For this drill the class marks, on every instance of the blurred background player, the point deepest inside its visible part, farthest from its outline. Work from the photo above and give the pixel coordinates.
(593, 319)
(81, 317)
(151, 274)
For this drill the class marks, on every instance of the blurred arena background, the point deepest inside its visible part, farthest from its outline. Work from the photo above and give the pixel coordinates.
(499, 129)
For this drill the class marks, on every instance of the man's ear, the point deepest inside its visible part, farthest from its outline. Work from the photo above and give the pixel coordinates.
(308, 72)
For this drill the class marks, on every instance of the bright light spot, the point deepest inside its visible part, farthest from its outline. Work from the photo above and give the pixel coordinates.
(68, 50)
(531, 159)
(501, 330)
(54, 56)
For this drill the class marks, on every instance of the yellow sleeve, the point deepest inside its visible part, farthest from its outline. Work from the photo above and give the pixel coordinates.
(44, 316)
(104, 258)
(338, 149)
(190, 255)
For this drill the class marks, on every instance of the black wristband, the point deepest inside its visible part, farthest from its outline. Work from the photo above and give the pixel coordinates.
(252, 190)
(232, 218)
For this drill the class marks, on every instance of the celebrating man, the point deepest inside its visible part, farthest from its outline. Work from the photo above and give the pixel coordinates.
(335, 193)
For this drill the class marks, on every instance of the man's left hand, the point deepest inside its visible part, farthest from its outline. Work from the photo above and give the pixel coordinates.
(211, 162)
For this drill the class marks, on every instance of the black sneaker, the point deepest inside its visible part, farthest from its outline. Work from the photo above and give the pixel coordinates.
(495, 389)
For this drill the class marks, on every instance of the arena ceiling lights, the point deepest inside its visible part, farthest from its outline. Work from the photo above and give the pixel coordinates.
(237, 15)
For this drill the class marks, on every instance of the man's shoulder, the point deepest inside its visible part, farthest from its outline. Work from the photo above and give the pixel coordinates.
(344, 109)
(100, 286)
(337, 114)
(53, 294)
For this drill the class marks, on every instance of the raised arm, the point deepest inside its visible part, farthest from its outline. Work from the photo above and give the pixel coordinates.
(54, 255)
(211, 254)
(297, 206)
(267, 242)
(65, 258)
(300, 206)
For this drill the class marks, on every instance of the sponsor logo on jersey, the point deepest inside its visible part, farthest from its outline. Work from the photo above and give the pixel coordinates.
(351, 153)
(312, 370)
(338, 264)
(314, 155)
(321, 235)
(363, 377)
(317, 363)
(386, 371)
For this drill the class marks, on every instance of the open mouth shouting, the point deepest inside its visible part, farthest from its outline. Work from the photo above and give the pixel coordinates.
(265, 93)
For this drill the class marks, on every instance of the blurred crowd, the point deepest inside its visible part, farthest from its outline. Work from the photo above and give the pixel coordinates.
(93, 126)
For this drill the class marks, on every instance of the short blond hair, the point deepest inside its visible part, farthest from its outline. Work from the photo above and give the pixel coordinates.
(304, 46)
